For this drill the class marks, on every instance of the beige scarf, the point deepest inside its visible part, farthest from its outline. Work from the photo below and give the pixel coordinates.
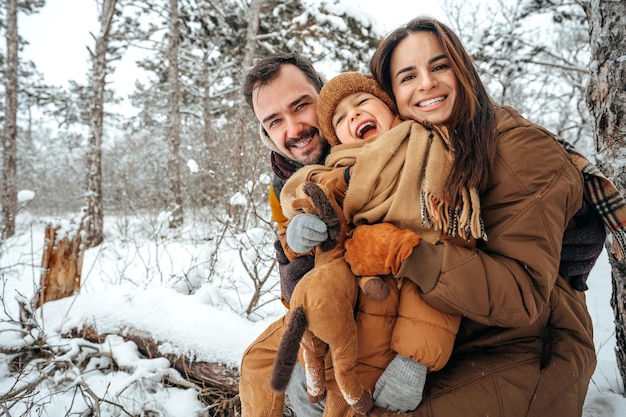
(401, 171)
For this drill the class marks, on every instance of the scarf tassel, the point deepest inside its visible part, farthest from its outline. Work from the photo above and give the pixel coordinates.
(463, 220)
(617, 247)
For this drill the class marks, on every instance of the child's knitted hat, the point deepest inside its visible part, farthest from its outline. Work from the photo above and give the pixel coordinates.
(339, 87)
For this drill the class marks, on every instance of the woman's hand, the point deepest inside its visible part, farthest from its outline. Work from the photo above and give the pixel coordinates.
(582, 245)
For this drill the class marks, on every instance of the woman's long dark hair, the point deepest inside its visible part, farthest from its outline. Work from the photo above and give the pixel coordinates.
(472, 122)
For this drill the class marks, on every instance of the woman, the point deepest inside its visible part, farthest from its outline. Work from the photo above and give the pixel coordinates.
(525, 345)
(366, 179)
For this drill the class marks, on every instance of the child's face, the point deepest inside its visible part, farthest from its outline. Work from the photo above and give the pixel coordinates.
(360, 116)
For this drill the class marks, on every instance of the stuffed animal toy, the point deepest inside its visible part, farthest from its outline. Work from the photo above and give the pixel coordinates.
(323, 301)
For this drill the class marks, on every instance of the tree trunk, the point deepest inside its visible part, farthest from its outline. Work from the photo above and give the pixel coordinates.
(208, 134)
(246, 64)
(61, 265)
(173, 163)
(95, 217)
(9, 142)
(606, 99)
(251, 34)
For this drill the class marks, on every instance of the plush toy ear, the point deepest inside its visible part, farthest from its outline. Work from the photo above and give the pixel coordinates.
(303, 205)
(325, 211)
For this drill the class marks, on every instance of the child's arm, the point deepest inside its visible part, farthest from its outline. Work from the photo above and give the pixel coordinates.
(305, 230)
(303, 233)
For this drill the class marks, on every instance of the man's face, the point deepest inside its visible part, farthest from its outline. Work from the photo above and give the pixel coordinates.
(286, 107)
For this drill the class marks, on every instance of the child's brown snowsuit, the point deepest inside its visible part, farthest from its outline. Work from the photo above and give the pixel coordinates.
(326, 296)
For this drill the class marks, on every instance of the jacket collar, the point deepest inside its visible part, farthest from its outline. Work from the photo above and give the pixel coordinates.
(282, 166)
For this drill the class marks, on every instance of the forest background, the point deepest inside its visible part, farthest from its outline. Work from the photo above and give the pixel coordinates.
(170, 154)
(189, 143)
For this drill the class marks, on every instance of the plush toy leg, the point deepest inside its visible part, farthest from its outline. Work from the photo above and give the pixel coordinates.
(313, 353)
(374, 287)
(328, 294)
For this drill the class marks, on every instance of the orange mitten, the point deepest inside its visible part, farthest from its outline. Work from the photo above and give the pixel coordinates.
(379, 249)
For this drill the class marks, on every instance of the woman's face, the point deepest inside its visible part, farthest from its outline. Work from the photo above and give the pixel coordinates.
(423, 82)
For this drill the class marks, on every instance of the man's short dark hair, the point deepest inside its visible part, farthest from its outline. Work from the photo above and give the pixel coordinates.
(268, 68)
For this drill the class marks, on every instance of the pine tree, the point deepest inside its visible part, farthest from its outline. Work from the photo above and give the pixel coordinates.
(94, 219)
(217, 41)
(173, 125)
(10, 131)
(9, 139)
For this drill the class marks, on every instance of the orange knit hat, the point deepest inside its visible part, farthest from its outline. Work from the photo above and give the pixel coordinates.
(339, 87)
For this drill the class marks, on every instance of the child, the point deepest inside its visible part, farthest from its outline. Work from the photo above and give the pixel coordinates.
(364, 113)
(385, 168)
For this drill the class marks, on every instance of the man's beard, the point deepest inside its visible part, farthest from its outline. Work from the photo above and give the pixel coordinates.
(311, 156)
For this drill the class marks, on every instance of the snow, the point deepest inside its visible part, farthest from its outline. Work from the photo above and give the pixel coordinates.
(165, 314)
(193, 166)
(238, 199)
(24, 196)
(605, 396)
(203, 319)
(177, 288)
(144, 280)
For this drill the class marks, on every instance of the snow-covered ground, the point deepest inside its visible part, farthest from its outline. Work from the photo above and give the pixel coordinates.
(144, 283)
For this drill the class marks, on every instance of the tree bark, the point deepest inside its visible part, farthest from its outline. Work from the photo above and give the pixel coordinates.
(173, 163)
(251, 34)
(9, 142)
(61, 265)
(208, 133)
(606, 99)
(95, 217)
(246, 64)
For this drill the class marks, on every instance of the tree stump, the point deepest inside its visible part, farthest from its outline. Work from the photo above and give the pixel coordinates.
(61, 264)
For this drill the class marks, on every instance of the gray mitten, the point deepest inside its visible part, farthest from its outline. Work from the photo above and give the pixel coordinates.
(400, 386)
(305, 231)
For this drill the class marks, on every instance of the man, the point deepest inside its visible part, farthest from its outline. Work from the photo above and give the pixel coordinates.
(282, 91)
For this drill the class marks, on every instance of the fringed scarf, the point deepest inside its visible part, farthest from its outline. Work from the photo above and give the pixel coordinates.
(606, 200)
(374, 188)
(405, 169)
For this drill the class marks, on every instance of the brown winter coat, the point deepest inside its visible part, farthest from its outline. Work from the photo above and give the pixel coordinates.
(525, 344)
(328, 293)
